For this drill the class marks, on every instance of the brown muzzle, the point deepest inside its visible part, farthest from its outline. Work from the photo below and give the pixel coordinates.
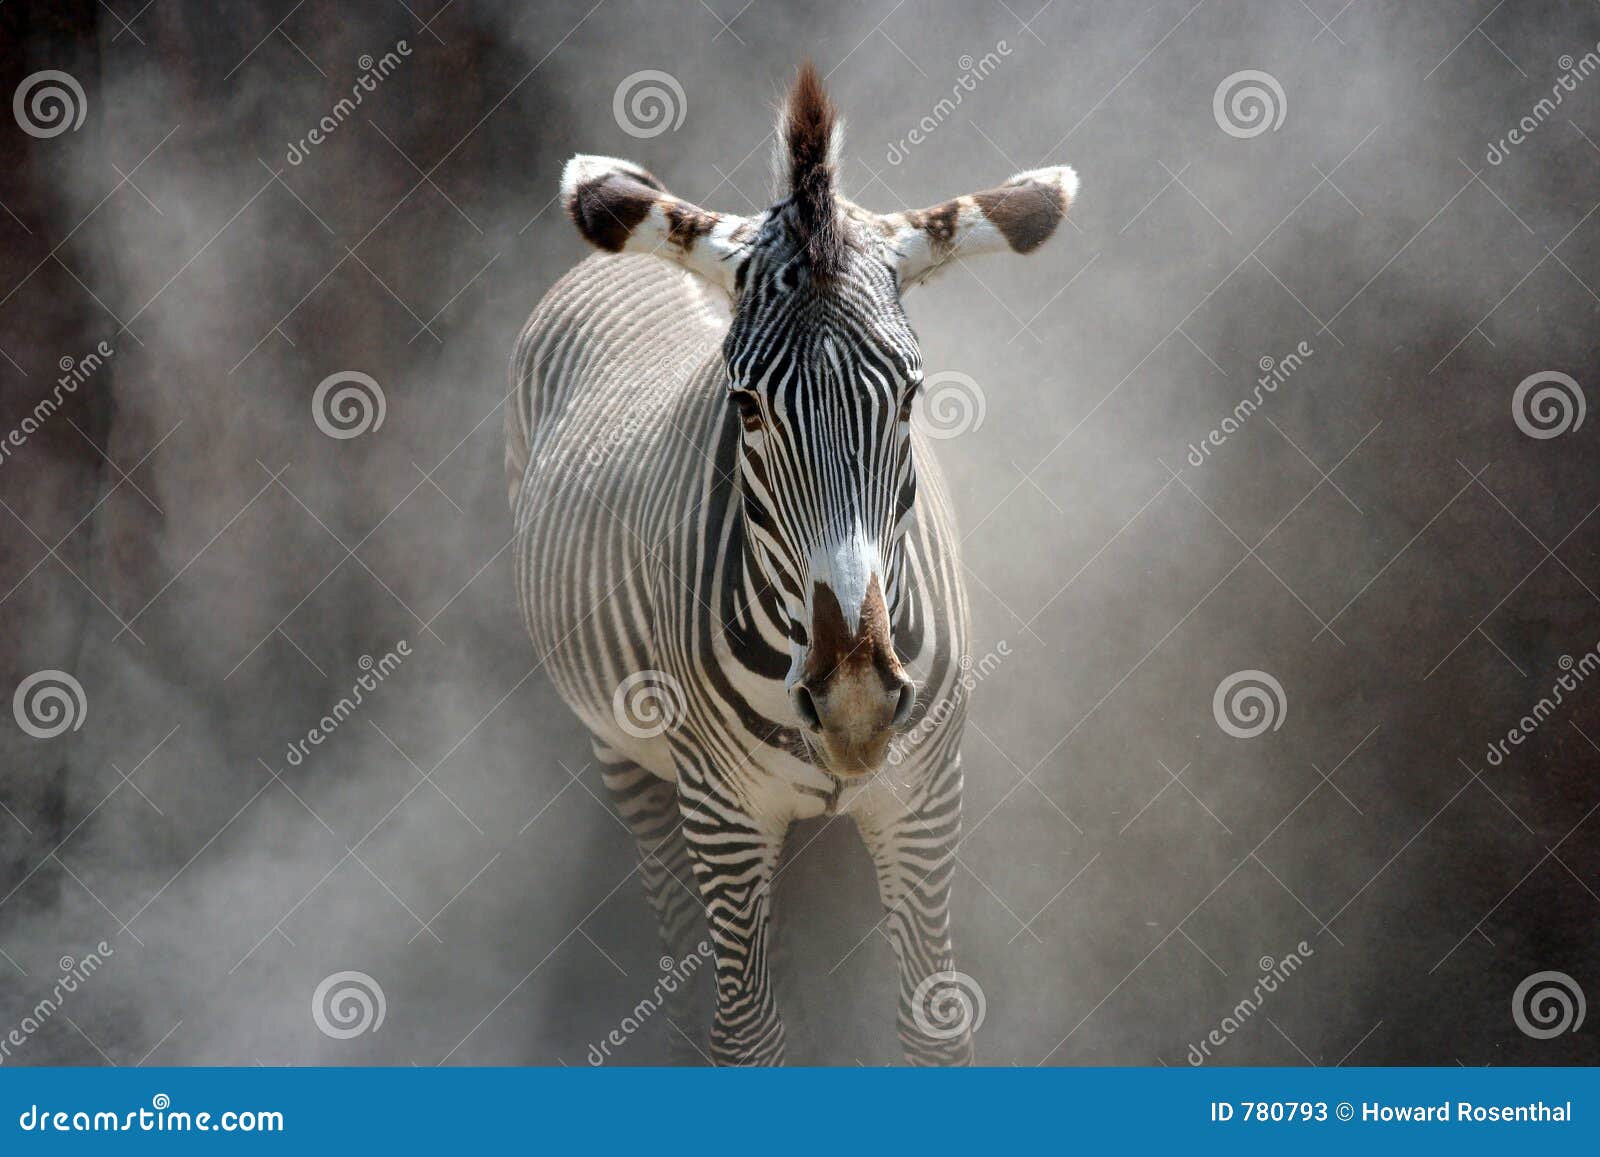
(852, 692)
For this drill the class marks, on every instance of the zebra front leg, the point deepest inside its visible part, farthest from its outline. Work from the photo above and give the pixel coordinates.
(648, 804)
(734, 856)
(911, 832)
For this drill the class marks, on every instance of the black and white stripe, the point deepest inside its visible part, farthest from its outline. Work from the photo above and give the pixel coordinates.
(716, 486)
(634, 553)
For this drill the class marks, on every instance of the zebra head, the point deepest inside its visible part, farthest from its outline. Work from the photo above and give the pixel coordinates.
(822, 369)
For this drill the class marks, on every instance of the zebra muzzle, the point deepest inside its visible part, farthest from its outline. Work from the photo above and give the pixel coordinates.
(852, 694)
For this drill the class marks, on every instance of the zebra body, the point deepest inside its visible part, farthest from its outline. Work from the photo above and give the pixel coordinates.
(737, 558)
(620, 463)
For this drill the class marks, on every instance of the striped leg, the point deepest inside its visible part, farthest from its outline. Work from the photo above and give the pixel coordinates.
(649, 806)
(912, 840)
(734, 856)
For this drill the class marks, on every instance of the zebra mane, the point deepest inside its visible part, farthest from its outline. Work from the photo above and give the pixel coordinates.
(810, 135)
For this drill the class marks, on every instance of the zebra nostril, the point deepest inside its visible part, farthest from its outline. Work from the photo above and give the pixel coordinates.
(805, 707)
(908, 700)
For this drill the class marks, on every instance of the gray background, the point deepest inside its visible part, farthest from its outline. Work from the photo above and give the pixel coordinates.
(1380, 537)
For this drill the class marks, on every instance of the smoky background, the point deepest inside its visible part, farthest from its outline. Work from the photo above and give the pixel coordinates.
(1381, 536)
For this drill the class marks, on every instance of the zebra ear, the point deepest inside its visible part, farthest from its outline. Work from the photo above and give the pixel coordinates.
(620, 207)
(1020, 216)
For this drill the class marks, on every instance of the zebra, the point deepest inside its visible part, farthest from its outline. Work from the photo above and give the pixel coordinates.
(736, 556)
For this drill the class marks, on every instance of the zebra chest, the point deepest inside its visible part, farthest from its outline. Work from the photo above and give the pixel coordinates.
(752, 694)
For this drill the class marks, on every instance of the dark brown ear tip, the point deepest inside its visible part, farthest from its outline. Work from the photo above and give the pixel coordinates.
(1025, 210)
(607, 208)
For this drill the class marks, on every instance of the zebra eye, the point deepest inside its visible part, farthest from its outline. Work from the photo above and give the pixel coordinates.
(908, 398)
(749, 409)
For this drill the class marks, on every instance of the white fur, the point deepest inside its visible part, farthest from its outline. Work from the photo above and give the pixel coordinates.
(1063, 177)
(714, 257)
(920, 258)
(585, 167)
(846, 567)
